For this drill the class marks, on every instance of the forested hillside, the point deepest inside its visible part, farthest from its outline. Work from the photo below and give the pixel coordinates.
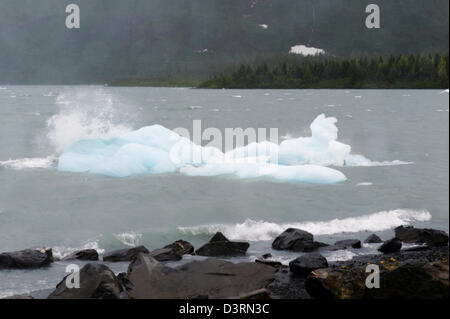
(403, 71)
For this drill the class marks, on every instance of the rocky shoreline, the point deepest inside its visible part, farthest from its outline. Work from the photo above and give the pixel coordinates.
(418, 272)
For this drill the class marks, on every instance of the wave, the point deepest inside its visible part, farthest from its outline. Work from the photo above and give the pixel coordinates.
(130, 239)
(252, 230)
(62, 251)
(29, 163)
(86, 114)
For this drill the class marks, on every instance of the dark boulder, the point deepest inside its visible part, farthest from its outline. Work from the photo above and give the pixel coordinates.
(165, 254)
(308, 246)
(410, 279)
(210, 278)
(292, 239)
(181, 247)
(353, 243)
(96, 282)
(414, 279)
(218, 237)
(336, 283)
(431, 237)
(373, 239)
(219, 245)
(87, 254)
(127, 254)
(303, 265)
(28, 258)
(391, 246)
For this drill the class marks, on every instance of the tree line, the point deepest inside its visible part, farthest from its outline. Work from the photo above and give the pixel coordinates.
(391, 72)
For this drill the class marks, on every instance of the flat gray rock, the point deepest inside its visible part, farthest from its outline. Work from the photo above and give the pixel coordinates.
(211, 278)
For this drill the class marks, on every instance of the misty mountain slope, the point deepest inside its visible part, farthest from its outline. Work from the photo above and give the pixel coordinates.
(155, 38)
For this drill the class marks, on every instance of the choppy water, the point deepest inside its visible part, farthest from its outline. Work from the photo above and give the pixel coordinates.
(41, 206)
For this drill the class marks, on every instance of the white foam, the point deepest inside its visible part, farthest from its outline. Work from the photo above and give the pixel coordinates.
(359, 160)
(339, 255)
(85, 114)
(364, 184)
(130, 239)
(29, 163)
(252, 230)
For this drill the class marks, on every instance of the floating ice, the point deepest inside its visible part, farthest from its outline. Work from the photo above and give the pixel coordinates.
(314, 174)
(321, 148)
(157, 150)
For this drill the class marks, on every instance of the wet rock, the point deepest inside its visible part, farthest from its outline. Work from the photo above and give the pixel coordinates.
(127, 254)
(353, 243)
(17, 297)
(165, 254)
(417, 248)
(286, 286)
(336, 283)
(28, 258)
(391, 246)
(292, 239)
(219, 245)
(413, 279)
(87, 254)
(267, 256)
(173, 252)
(210, 278)
(96, 282)
(303, 265)
(373, 239)
(218, 237)
(272, 263)
(308, 246)
(410, 279)
(181, 247)
(431, 237)
(257, 294)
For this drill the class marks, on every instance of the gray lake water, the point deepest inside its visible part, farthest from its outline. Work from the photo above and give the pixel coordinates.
(41, 206)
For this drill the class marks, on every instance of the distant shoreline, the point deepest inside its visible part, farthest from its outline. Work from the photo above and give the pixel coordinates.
(376, 72)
